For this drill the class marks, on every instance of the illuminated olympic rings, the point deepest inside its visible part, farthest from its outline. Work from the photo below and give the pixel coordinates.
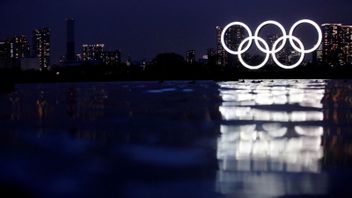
(277, 47)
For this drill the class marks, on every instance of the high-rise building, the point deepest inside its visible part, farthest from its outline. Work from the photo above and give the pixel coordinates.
(347, 44)
(337, 44)
(70, 40)
(19, 47)
(191, 57)
(222, 56)
(92, 52)
(233, 38)
(112, 57)
(41, 47)
(318, 55)
(14, 49)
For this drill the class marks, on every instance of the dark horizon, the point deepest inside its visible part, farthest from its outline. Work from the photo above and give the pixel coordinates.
(155, 26)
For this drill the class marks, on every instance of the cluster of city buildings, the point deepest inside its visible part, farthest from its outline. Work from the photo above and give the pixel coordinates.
(18, 52)
(95, 53)
(336, 48)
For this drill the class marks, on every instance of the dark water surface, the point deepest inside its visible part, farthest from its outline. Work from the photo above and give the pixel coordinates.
(177, 139)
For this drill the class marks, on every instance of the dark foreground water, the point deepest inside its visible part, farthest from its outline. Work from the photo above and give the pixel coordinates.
(177, 139)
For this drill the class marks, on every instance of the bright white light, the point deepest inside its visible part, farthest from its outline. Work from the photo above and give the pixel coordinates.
(269, 129)
(301, 59)
(275, 49)
(261, 26)
(224, 33)
(316, 26)
(249, 39)
(309, 131)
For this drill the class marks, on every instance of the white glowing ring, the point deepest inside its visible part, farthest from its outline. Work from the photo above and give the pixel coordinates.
(275, 49)
(316, 26)
(261, 26)
(267, 48)
(223, 38)
(301, 59)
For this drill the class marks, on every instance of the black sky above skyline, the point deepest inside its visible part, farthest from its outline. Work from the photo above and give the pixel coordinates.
(143, 28)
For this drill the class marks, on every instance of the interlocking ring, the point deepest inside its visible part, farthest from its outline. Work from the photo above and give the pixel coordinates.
(223, 37)
(249, 39)
(276, 47)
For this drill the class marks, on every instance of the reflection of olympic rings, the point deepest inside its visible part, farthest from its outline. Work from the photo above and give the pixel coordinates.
(246, 43)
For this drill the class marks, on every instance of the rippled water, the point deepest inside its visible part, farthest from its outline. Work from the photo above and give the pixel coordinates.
(273, 138)
(272, 132)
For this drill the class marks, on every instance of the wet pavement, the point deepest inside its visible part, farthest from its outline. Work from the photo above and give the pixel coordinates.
(272, 138)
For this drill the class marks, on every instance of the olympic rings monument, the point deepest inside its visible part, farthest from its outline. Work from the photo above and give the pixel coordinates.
(276, 47)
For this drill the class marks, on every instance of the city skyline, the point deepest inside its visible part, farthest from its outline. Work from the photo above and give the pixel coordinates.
(235, 35)
(155, 26)
(336, 35)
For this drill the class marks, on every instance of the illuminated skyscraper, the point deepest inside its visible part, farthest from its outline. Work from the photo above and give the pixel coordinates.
(337, 44)
(41, 46)
(347, 43)
(70, 40)
(16, 47)
(222, 56)
(233, 37)
(93, 52)
(318, 55)
(191, 57)
(12, 50)
(19, 47)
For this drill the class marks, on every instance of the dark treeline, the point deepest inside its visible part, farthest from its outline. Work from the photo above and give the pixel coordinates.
(171, 66)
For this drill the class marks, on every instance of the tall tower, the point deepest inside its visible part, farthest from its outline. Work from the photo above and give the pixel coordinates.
(222, 56)
(19, 47)
(332, 39)
(70, 40)
(233, 37)
(41, 46)
(337, 44)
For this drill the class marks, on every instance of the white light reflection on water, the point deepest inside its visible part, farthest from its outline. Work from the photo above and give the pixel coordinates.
(272, 128)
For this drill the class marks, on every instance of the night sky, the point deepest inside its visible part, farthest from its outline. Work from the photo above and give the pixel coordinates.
(143, 28)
